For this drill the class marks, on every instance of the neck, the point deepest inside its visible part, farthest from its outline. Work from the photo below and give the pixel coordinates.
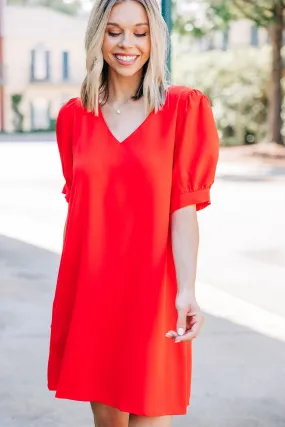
(122, 88)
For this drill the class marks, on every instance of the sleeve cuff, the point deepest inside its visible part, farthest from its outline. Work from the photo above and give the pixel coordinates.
(66, 192)
(200, 198)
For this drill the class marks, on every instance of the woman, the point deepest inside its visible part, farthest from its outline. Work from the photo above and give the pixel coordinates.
(139, 159)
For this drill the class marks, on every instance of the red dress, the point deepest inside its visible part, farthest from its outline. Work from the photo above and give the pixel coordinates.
(116, 288)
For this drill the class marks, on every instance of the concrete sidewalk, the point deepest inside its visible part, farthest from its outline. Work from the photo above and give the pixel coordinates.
(249, 171)
(260, 162)
(238, 374)
(25, 137)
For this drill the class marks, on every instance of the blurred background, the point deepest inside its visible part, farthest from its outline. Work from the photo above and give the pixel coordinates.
(233, 51)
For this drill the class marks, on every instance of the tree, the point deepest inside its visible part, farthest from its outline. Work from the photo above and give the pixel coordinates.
(239, 93)
(267, 14)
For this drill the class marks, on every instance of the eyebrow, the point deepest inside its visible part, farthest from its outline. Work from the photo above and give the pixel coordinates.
(136, 25)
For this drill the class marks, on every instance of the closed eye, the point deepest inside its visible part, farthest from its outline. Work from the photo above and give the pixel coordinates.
(113, 34)
(117, 34)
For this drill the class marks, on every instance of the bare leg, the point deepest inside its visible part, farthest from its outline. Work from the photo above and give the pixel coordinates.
(107, 416)
(138, 421)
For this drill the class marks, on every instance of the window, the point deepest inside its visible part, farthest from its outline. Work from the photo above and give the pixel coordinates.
(225, 42)
(40, 117)
(40, 64)
(254, 36)
(65, 66)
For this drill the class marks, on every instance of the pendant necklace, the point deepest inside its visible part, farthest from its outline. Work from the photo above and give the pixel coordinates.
(118, 110)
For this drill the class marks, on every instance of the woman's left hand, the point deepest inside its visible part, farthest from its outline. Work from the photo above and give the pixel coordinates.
(190, 319)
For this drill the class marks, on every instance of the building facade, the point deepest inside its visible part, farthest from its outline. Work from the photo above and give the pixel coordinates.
(44, 65)
(241, 33)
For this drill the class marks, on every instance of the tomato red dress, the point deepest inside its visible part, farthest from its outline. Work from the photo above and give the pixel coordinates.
(116, 287)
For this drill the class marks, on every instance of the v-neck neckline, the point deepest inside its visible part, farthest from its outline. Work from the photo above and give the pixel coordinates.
(130, 135)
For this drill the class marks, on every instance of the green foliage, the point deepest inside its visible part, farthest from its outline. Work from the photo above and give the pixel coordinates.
(263, 12)
(236, 83)
(217, 14)
(197, 22)
(222, 11)
(52, 125)
(18, 116)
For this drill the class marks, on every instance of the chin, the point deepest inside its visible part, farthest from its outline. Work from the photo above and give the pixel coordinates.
(127, 73)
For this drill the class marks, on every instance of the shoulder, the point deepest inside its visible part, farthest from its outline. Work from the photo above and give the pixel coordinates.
(185, 96)
(66, 118)
(68, 109)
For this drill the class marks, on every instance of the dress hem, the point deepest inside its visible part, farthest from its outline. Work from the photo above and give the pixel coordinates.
(123, 408)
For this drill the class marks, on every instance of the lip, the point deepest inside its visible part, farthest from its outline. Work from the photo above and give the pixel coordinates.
(125, 54)
(125, 64)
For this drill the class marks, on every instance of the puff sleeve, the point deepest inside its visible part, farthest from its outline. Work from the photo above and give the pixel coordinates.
(195, 153)
(64, 129)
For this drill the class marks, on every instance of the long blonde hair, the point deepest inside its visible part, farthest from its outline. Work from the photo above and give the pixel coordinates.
(154, 83)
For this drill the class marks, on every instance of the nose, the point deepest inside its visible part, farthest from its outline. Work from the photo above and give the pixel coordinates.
(126, 41)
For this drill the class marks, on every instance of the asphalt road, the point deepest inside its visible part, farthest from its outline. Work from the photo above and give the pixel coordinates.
(239, 358)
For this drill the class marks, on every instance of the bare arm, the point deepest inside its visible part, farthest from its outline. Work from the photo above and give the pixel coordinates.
(185, 242)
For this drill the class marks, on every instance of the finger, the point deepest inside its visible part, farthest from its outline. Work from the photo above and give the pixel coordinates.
(181, 321)
(171, 334)
(189, 336)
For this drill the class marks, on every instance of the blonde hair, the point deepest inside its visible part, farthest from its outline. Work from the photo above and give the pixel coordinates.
(154, 83)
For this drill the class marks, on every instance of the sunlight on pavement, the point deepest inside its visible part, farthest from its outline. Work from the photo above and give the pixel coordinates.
(221, 304)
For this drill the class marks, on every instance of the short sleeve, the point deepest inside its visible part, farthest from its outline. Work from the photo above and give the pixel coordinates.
(195, 154)
(64, 130)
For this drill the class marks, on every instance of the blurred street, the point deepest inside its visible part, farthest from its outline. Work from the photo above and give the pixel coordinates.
(239, 357)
